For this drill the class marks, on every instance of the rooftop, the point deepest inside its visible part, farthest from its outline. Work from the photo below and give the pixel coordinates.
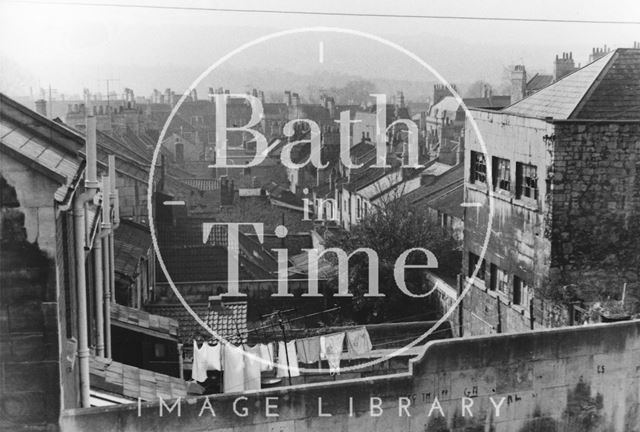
(49, 147)
(132, 382)
(608, 88)
(228, 319)
(131, 243)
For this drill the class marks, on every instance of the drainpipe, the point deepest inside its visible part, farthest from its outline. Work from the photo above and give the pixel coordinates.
(107, 295)
(97, 265)
(110, 288)
(91, 187)
(102, 269)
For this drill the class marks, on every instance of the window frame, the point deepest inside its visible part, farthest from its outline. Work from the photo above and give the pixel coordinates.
(527, 183)
(473, 262)
(523, 291)
(501, 172)
(477, 160)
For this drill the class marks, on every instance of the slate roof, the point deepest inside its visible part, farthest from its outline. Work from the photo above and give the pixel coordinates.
(279, 196)
(490, 102)
(53, 148)
(294, 243)
(229, 320)
(132, 382)
(443, 183)
(608, 88)
(131, 243)
(448, 199)
(538, 82)
(189, 260)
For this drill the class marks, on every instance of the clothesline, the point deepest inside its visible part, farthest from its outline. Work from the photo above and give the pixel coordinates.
(242, 372)
(294, 319)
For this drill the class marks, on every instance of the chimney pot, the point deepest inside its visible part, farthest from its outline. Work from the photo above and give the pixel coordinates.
(91, 178)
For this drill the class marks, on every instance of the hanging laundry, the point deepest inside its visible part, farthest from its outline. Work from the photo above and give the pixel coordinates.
(308, 349)
(358, 341)
(292, 363)
(333, 350)
(233, 364)
(252, 367)
(205, 358)
(323, 348)
(268, 357)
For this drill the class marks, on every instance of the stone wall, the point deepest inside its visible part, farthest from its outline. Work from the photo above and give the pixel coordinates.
(517, 242)
(596, 207)
(30, 367)
(579, 379)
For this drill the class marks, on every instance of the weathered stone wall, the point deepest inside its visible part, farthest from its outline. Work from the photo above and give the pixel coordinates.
(516, 243)
(596, 207)
(579, 379)
(30, 372)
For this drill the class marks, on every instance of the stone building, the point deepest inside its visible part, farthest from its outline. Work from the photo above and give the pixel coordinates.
(51, 227)
(557, 188)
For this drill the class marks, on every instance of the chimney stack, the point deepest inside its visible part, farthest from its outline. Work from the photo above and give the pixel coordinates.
(91, 176)
(287, 98)
(563, 66)
(518, 83)
(226, 191)
(106, 202)
(296, 99)
(331, 105)
(41, 107)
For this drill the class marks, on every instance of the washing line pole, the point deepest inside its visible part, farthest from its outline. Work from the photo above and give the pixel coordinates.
(286, 349)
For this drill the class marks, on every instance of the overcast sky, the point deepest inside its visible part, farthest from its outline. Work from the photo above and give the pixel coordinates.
(75, 46)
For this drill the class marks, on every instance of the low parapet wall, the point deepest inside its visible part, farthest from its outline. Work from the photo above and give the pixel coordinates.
(570, 379)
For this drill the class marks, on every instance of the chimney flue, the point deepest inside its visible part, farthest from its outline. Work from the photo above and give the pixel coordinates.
(106, 202)
(91, 178)
(41, 107)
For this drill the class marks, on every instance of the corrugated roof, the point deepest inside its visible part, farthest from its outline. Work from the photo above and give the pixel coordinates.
(560, 99)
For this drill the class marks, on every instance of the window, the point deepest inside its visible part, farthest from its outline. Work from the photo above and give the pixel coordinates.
(520, 292)
(493, 277)
(159, 350)
(473, 263)
(503, 281)
(478, 167)
(501, 174)
(526, 181)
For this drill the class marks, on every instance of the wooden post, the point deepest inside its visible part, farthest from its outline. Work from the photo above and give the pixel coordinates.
(499, 327)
